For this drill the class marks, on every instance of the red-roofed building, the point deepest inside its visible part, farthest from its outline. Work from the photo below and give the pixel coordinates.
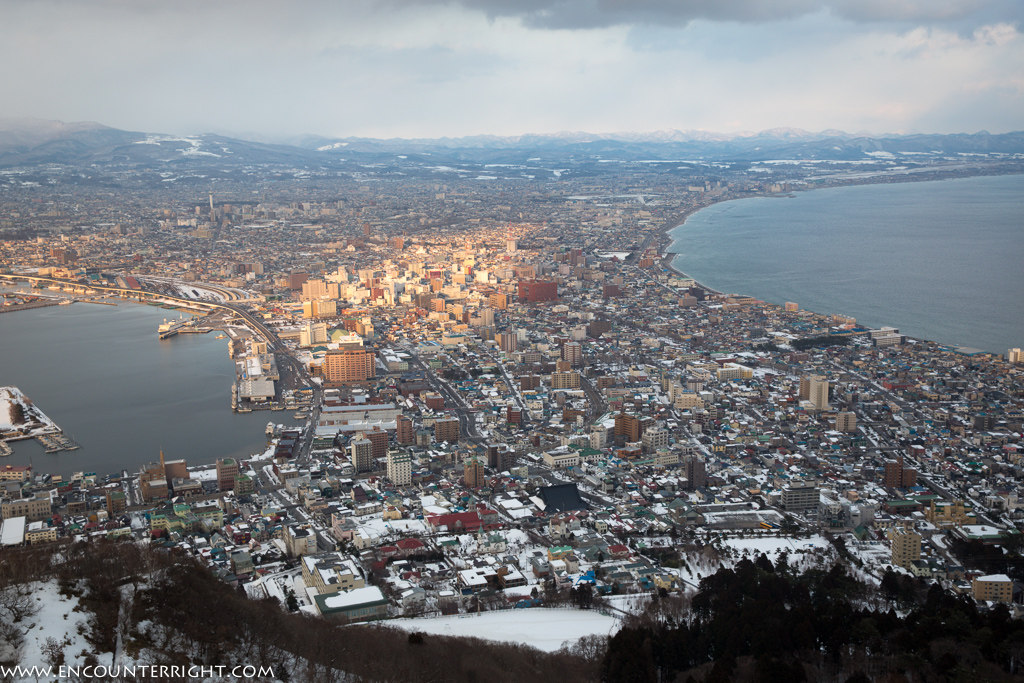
(618, 551)
(465, 521)
(410, 546)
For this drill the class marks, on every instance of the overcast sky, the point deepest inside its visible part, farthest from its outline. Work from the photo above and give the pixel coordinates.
(420, 68)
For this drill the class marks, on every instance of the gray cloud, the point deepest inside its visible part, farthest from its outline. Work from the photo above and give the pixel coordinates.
(584, 14)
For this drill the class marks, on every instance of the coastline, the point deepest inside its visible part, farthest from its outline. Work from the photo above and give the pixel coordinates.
(664, 240)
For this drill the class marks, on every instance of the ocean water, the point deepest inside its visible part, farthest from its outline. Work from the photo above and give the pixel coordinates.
(104, 377)
(940, 260)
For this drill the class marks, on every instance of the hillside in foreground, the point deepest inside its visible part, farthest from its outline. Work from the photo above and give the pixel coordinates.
(118, 604)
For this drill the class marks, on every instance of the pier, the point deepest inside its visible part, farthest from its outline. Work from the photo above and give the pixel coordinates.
(55, 442)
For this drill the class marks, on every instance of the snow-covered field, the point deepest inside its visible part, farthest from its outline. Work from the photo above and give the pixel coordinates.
(55, 618)
(773, 546)
(544, 629)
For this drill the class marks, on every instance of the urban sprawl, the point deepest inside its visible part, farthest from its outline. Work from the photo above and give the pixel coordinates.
(505, 395)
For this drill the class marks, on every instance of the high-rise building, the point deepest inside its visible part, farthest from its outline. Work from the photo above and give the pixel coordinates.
(498, 301)
(446, 429)
(400, 468)
(508, 341)
(898, 476)
(405, 433)
(565, 380)
(227, 470)
(117, 502)
(572, 352)
(817, 391)
(350, 363)
(360, 453)
(1015, 356)
(846, 421)
(696, 472)
(379, 438)
(313, 333)
(800, 496)
(628, 426)
(473, 473)
(296, 279)
(905, 545)
(314, 289)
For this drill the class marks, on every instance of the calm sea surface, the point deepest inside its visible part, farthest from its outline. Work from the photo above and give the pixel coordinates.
(102, 375)
(940, 260)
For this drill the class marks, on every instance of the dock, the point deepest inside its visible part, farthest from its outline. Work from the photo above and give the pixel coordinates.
(55, 442)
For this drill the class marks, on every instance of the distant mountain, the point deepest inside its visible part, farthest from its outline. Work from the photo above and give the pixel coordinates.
(30, 142)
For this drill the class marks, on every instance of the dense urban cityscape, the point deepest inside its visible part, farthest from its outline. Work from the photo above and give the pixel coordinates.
(505, 395)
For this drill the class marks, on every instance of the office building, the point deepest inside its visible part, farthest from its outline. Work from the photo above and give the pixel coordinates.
(800, 496)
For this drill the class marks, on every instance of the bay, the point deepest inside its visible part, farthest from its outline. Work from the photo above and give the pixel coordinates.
(104, 377)
(940, 260)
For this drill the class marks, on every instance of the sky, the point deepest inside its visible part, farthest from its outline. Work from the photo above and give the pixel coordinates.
(271, 69)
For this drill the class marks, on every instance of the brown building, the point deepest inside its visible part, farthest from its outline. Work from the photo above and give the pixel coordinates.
(434, 400)
(528, 382)
(508, 341)
(498, 300)
(537, 290)
(117, 502)
(573, 352)
(565, 380)
(297, 279)
(379, 438)
(628, 426)
(405, 433)
(896, 476)
(446, 429)
(473, 473)
(350, 363)
(175, 469)
(227, 470)
(244, 485)
(846, 421)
